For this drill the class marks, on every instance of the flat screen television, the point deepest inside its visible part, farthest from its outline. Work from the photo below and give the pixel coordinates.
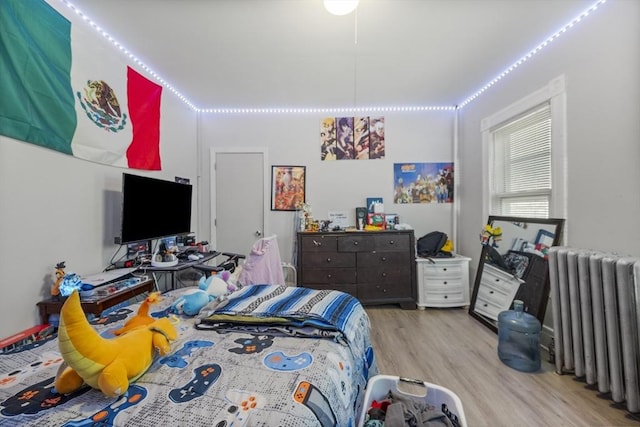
(154, 208)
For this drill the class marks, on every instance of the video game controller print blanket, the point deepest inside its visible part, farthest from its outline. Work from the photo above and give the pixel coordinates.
(305, 372)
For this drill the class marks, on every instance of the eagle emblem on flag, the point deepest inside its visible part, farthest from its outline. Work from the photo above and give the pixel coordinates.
(101, 105)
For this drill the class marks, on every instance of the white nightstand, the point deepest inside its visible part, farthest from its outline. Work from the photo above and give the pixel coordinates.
(443, 282)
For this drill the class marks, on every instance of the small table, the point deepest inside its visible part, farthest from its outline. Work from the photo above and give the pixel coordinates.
(50, 306)
(182, 265)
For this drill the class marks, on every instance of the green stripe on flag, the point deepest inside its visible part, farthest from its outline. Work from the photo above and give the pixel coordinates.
(36, 99)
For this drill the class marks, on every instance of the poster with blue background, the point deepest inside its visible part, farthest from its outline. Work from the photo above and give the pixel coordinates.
(423, 183)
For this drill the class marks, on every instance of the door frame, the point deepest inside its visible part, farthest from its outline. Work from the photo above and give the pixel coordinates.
(213, 182)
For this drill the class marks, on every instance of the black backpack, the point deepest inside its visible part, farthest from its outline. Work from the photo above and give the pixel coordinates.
(430, 245)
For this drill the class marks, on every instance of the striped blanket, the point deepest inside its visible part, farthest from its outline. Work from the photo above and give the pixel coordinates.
(293, 306)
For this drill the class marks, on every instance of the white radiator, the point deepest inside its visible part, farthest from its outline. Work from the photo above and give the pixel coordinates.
(594, 298)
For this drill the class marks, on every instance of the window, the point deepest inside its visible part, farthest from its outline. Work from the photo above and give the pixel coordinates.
(521, 165)
(524, 152)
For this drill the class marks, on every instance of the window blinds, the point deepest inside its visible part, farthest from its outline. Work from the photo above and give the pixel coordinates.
(522, 165)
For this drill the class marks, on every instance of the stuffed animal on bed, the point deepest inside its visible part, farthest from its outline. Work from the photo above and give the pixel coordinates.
(109, 365)
(209, 288)
(142, 318)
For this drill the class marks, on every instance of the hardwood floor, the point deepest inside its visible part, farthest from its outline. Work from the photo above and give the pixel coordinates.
(450, 348)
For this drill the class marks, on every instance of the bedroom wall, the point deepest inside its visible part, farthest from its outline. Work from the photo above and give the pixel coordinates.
(55, 207)
(600, 61)
(337, 185)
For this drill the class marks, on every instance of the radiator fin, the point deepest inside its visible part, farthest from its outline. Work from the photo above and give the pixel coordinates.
(595, 300)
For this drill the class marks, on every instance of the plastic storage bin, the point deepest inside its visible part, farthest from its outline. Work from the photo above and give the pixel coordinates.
(435, 395)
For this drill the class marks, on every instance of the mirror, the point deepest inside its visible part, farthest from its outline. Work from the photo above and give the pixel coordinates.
(513, 265)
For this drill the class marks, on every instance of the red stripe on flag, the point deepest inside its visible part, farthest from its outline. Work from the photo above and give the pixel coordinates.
(144, 112)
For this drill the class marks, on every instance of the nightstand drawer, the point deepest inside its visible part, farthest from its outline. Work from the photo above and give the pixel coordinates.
(445, 297)
(443, 270)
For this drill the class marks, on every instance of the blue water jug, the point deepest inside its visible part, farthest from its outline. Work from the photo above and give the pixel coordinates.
(519, 339)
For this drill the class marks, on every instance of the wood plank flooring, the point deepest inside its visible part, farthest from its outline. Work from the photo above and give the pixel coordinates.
(450, 348)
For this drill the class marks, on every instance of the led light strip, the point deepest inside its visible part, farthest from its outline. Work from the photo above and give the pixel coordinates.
(534, 51)
(128, 53)
(503, 74)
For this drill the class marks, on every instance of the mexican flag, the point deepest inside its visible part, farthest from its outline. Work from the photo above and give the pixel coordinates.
(65, 87)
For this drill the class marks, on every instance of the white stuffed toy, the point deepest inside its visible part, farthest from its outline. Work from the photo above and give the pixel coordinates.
(209, 288)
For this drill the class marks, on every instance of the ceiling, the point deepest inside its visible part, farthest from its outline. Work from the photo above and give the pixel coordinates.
(294, 54)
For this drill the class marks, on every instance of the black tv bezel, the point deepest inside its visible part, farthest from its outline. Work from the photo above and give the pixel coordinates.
(154, 208)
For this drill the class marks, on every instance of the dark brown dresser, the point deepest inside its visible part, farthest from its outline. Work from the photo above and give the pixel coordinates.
(377, 267)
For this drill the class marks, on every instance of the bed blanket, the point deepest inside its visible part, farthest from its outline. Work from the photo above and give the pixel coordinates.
(312, 375)
(300, 307)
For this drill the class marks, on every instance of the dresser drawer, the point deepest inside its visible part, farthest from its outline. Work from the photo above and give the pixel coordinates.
(391, 242)
(382, 259)
(328, 276)
(355, 243)
(391, 275)
(328, 260)
(372, 292)
(318, 243)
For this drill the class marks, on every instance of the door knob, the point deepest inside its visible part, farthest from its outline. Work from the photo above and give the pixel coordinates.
(258, 233)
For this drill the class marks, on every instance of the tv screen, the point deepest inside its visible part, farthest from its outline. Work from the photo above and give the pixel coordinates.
(154, 208)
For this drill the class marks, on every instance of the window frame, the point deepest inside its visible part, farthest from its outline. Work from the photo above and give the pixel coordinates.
(554, 94)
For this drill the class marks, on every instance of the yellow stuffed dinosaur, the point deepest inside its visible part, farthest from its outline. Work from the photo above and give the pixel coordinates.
(106, 364)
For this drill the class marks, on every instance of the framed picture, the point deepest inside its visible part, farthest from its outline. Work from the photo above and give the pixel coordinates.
(287, 187)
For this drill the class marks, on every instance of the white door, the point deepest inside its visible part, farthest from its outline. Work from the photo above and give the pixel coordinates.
(238, 200)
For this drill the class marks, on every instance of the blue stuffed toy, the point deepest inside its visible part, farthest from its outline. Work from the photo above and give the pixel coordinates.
(209, 288)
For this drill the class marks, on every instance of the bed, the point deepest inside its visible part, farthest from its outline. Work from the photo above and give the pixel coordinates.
(265, 356)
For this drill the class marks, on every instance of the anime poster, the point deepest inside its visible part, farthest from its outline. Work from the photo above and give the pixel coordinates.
(347, 138)
(287, 187)
(423, 182)
(328, 138)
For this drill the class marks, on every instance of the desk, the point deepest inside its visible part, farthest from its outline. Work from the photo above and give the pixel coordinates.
(182, 265)
(96, 307)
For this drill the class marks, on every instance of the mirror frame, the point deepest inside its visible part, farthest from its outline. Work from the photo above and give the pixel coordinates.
(538, 312)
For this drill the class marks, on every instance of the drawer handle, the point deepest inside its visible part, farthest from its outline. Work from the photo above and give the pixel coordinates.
(391, 242)
(444, 269)
(329, 259)
(485, 305)
(446, 296)
(384, 274)
(384, 258)
(445, 282)
(491, 292)
(329, 276)
(317, 243)
(355, 243)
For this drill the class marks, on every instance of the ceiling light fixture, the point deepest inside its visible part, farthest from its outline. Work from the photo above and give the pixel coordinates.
(340, 7)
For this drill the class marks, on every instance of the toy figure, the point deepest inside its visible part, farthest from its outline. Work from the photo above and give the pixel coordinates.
(55, 289)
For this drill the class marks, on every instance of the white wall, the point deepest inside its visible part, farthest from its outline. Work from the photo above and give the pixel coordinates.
(55, 207)
(344, 184)
(600, 61)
